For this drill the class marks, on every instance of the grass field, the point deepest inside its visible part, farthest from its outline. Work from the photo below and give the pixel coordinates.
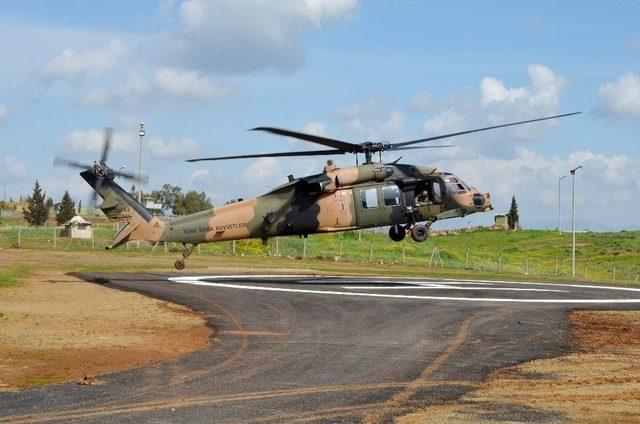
(600, 256)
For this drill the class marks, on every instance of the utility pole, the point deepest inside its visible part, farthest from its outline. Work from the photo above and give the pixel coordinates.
(559, 200)
(573, 219)
(141, 133)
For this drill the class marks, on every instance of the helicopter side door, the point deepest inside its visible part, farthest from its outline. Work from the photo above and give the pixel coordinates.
(378, 205)
(430, 197)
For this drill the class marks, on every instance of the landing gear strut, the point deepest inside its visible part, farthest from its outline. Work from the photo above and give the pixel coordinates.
(180, 264)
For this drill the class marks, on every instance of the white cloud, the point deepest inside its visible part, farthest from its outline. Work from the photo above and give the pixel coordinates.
(89, 143)
(447, 121)
(92, 142)
(74, 67)
(533, 179)
(165, 9)
(496, 103)
(243, 36)
(166, 84)
(315, 128)
(188, 85)
(538, 99)
(425, 101)
(12, 169)
(621, 98)
(367, 108)
(171, 149)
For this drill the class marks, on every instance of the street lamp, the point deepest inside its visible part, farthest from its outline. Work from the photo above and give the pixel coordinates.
(573, 219)
(141, 134)
(559, 216)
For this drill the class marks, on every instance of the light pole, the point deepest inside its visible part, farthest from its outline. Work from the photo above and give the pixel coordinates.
(573, 220)
(141, 133)
(559, 216)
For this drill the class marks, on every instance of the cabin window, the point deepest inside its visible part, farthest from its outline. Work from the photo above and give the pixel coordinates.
(391, 195)
(369, 198)
(437, 194)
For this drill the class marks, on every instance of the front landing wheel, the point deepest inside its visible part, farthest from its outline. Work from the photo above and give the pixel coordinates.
(397, 232)
(179, 264)
(419, 233)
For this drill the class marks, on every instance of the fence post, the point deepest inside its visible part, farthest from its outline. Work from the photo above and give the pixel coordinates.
(499, 262)
(556, 272)
(466, 260)
(586, 267)
(233, 247)
(304, 248)
(370, 251)
(637, 277)
(614, 272)
(165, 247)
(277, 246)
(54, 237)
(404, 251)
(359, 235)
(526, 266)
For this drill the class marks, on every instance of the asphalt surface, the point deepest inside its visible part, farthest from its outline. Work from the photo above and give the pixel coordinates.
(326, 349)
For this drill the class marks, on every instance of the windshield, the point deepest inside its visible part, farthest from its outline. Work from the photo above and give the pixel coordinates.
(455, 185)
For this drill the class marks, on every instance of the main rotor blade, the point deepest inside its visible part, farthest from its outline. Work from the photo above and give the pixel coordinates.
(131, 176)
(438, 137)
(418, 147)
(108, 133)
(70, 163)
(273, 155)
(329, 142)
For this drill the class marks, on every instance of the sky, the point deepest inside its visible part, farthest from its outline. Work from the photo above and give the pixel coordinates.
(201, 73)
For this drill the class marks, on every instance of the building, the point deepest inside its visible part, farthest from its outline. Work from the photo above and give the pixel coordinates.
(501, 221)
(77, 227)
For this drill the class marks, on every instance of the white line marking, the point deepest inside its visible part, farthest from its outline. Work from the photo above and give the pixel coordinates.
(449, 287)
(196, 281)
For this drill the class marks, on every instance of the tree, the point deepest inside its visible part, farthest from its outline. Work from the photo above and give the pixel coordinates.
(49, 204)
(66, 210)
(192, 202)
(36, 212)
(513, 218)
(169, 197)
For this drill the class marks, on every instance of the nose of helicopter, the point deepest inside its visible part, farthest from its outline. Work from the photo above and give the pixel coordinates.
(478, 202)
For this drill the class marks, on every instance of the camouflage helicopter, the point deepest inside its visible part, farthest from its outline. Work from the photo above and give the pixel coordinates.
(407, 198)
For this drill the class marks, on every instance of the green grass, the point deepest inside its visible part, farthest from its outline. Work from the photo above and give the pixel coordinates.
(12, 275)
(531, 252)
(40, 380)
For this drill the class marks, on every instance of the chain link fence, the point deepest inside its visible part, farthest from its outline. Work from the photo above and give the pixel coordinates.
(354, 247)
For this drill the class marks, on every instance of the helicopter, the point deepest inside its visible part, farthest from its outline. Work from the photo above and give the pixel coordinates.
(405, 197)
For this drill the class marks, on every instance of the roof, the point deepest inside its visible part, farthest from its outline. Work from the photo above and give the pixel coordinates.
(77, 220)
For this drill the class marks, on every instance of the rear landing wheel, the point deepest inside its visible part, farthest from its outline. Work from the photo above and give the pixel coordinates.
(419, 232)
(179, 264)
(397, 232)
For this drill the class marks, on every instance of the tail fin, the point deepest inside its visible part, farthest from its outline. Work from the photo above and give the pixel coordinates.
(117, 204)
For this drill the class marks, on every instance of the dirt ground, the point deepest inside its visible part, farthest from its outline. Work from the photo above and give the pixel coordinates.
(54, 327)
(599, 383)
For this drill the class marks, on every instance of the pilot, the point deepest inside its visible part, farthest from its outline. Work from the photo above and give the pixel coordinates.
(423, 197)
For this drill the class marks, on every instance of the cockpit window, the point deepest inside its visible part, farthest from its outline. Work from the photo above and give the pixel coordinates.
(454, 185)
